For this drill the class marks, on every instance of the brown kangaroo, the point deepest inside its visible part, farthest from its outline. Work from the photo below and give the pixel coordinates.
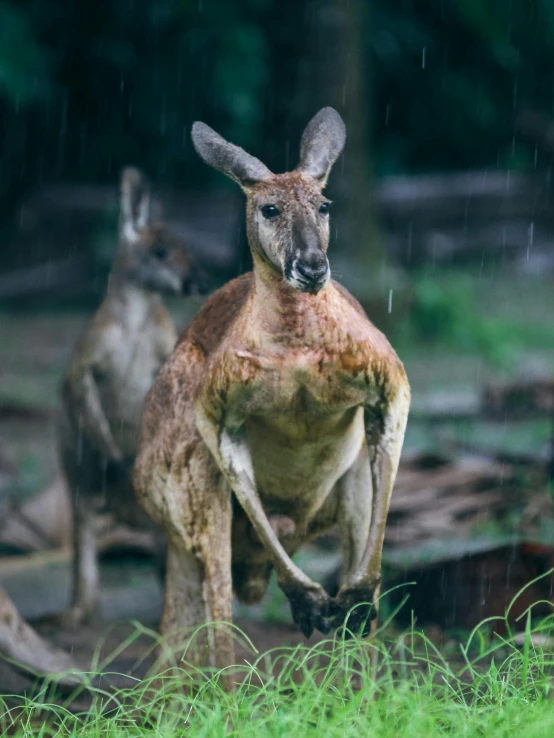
(280, 413)
(114, 365)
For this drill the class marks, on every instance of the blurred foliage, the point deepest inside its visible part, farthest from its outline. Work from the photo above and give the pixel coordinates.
(451, 75)
(459, 311)
(446, 313)
(24, 62)
(128, 78)
(88, 86)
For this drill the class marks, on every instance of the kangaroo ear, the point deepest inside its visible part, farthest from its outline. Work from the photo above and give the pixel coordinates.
(135, 202)
(228, 158)
(322, 143)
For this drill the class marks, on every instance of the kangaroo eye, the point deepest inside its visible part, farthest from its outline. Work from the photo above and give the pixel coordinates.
(324, 208)
(270, 211)
(160, 252)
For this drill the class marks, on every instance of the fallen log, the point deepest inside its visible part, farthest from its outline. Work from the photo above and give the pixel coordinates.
(27, 650)
(525, 398)
(492, 583)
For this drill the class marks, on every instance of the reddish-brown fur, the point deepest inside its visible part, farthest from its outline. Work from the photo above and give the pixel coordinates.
(282, 391)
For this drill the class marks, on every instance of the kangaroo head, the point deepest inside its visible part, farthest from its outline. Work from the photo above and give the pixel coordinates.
(287, 214)
(149, 255)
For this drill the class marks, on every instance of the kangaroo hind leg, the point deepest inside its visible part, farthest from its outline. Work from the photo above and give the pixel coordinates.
(86, 578)
(198, 590)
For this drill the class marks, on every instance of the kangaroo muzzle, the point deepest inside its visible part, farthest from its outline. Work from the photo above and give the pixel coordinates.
(308, 269)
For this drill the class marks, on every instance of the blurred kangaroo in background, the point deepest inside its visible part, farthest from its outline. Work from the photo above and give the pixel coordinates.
(281, 412)
(112, 369)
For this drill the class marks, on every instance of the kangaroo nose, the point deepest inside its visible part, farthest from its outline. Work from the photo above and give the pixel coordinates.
(313, 272)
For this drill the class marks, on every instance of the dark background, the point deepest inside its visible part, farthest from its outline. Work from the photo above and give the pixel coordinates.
(87, 87)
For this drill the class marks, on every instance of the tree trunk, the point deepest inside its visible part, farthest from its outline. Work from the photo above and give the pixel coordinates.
(334, 72)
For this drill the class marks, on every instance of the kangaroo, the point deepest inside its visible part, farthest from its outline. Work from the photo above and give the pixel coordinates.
(112, 369)
(281, 412)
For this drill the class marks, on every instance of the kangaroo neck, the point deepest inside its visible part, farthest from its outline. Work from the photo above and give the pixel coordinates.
(132, 303)
(290, 316)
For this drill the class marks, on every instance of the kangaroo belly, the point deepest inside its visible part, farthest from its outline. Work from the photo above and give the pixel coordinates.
(124, 388)
(298, 460)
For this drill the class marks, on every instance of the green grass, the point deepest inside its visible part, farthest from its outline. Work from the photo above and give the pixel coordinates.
(395, 686)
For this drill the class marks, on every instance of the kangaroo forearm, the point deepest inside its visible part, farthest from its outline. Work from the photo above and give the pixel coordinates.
(87, 408)
(247, 495)
(233, 458)
(369, 570)
(385, 447)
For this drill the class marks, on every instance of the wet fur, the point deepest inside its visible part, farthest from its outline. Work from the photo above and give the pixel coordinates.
(290, 398)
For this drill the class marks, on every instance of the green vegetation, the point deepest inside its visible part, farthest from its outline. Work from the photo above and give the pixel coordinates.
(94, 86)
(445, 313)
(396, 686)
(459, 311)
(24, 64)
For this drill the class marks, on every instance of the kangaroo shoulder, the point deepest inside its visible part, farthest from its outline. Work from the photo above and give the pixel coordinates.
(210, 326)
(349, 299)
(370, 346)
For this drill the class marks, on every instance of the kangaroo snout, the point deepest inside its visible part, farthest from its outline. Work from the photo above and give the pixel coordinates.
(309, 272)
(307, 267)
(313, 272)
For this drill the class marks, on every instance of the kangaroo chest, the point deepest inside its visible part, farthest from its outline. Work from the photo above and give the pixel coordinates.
(304, 426)
(128, 373)
(297, 467)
